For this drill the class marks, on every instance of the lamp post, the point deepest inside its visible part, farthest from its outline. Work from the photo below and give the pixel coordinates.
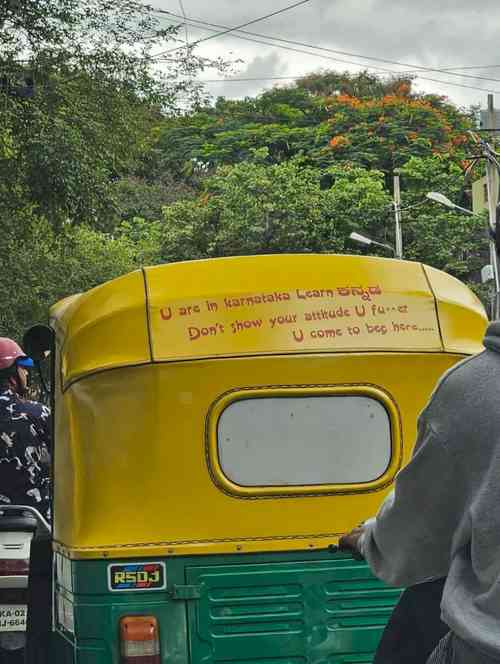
(443, 200)
(362, 239)
(398, 236)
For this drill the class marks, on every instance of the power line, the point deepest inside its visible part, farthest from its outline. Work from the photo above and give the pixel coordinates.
(226, 29)
(295, 50)
(357, 55)
(265, 78)
(326, 57)
(472, 67)
(335, 51)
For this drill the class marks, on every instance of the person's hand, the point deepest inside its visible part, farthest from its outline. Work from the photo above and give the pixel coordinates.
(350, 542)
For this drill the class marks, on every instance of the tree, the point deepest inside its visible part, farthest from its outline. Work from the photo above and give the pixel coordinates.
(40, 267)
(384, 133)
(81, 93)
(381, 128)
(454, 242)
(98, 95)
(362, 85)
(136, 196)
(254, 208)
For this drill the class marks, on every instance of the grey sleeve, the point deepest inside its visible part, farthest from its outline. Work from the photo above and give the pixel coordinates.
(410, 539)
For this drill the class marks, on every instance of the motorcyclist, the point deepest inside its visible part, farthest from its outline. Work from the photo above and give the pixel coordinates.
(25, 434)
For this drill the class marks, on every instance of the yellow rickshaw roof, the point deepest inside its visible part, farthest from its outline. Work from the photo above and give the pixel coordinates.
(261, 305)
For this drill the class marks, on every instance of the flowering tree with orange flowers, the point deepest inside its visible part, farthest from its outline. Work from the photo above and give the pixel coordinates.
(283, 172)
(359, 119)
(385, 132)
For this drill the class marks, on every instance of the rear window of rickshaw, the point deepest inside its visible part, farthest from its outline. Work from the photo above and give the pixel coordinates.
(304, 440)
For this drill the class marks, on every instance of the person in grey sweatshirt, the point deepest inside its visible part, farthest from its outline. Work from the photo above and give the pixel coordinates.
(443, 516)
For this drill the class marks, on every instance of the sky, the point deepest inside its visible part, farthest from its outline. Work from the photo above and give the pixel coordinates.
(435, 34)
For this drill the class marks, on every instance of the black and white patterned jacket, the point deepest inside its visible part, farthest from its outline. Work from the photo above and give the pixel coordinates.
(25, 440)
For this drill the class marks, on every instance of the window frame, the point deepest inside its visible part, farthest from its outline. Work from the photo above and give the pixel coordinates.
(224, 483)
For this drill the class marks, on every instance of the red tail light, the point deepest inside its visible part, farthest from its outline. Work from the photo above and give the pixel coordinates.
(14, 567)
(140, 640)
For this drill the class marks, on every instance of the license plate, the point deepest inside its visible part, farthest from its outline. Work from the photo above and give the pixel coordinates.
(13, 617)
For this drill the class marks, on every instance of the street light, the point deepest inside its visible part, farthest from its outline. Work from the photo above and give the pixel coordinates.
(362, 239)
(443, 200)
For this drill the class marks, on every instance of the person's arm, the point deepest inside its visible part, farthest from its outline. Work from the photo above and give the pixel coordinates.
(39, 436)
(410, 539)
(40, 418)
(45, 428)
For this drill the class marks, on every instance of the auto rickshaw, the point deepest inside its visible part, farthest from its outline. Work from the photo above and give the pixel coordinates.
(218, 425)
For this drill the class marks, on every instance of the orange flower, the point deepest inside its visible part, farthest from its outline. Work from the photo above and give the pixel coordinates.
(339, 142)
(460, 139)
(412, 135)
(347, 99)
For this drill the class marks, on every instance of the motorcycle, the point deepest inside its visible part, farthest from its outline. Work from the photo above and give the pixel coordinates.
(18, 526)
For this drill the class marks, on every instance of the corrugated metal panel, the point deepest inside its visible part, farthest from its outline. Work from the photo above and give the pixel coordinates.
(291, 612)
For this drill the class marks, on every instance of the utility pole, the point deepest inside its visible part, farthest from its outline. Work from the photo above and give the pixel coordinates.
(492, 185)
(397, 215)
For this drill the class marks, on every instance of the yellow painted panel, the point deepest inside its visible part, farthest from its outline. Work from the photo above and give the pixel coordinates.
(132, 451)
(263, 305)
(289, 303)
(103, 328)
(462, 317)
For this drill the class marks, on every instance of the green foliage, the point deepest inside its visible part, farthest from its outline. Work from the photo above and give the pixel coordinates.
(440, 171)
(135, 196)
(96, 99)
(363, 84)
(385, 133)
(451, 241)
(69, 144)
(254, 208)
(39, 267)
(322, 119)
(143, 239)
(80, 98)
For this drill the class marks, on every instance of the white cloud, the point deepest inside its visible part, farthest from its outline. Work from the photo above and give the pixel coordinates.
(260, 67)
(449, 33)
